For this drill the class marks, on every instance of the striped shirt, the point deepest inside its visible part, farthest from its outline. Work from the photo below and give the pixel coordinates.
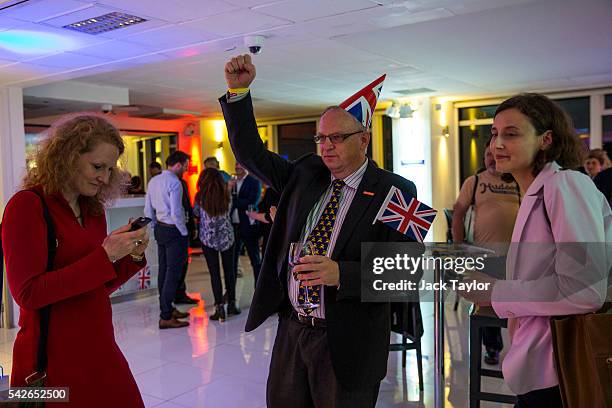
(346, 198)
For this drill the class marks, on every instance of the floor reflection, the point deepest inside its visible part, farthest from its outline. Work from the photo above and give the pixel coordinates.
(218, 364)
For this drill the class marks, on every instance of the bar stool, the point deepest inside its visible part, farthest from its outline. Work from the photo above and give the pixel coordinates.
(448, 214)
(406, 320)
(483, 317)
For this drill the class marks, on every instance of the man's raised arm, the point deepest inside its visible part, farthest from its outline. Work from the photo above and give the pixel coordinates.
(242, 128)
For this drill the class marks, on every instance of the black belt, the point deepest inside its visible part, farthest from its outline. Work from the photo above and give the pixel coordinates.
(310, 321)
(163, 224)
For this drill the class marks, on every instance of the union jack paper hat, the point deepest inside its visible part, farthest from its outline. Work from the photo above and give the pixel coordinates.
(361, 105)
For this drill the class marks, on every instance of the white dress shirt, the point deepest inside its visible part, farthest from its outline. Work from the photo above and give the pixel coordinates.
(235, 216)
(163, 201)
(346, 198)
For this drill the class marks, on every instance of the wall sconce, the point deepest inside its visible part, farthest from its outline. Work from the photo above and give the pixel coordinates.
(406, 111)
(397, 110)
(445, 132)
(220, 145)
(393, 110)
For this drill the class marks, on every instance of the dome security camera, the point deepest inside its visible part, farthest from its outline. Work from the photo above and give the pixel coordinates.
(254, 43)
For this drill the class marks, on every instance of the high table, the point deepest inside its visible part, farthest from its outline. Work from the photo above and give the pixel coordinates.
(445, 250)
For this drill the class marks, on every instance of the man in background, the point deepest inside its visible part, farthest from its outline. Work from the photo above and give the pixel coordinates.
(154, 169)
(246, 191)
(181, 296)
(212, 162)
(163, 204)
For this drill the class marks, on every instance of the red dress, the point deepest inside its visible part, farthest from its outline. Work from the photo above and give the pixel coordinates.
(82, 351)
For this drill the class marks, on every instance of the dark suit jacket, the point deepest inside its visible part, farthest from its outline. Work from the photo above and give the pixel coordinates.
(357, 332)
(186, 202)
(603, 181)
(249, 194)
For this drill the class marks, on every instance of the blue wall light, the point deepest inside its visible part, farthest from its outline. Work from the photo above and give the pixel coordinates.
(35, 42)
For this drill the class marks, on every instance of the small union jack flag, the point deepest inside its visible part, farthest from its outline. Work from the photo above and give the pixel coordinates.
(361, 105)
(144, 278)
(406, 214)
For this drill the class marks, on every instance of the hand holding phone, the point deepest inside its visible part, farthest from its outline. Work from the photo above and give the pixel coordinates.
(139, 223)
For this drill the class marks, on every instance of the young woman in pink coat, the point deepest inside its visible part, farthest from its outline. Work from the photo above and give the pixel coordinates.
(557, 261)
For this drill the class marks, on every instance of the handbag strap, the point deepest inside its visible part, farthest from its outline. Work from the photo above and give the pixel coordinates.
(45, 312)
(474, 190)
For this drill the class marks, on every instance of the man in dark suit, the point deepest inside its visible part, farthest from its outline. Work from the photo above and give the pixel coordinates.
(334, 355)
(246, 191)
(181, 296)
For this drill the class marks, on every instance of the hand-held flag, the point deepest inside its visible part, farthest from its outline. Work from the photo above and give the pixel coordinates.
(406, 214)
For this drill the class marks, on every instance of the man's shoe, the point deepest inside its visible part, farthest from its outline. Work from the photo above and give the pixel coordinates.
(491, 357)
(219, 313)
(177, 314)
(171, 324)
(232, 309)
(185, 300)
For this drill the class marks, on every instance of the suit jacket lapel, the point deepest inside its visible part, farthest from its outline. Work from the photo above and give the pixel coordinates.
(521, 218)
(358, 208)
(305, 201)
(532, 195)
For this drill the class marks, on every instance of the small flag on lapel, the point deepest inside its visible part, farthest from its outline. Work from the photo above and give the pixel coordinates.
(406, 214)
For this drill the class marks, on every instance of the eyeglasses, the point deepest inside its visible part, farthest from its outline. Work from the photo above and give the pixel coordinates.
(335, 138)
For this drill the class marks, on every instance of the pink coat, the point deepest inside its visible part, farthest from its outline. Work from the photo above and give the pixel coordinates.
(577, 212)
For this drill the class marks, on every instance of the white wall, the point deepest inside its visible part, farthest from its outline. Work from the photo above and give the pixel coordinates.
(12, 164)
(412, 150)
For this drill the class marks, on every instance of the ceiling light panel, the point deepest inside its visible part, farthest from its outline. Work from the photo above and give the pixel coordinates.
(104, 23)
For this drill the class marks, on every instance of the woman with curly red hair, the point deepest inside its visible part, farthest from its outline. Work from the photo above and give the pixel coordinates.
(75, 177)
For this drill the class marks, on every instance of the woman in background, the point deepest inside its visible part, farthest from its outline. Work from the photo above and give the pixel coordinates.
(534, 141)
(212, 206)
(77, 177)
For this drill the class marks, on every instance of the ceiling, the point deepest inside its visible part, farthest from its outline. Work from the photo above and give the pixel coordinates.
(317, 52)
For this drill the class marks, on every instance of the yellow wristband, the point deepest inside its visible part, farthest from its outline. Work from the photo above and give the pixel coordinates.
(237, 90)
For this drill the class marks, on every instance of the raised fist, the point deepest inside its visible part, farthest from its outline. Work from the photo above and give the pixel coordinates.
(239, 72)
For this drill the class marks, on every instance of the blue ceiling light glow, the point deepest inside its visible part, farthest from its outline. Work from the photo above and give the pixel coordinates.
(104, 23)
(34, 42)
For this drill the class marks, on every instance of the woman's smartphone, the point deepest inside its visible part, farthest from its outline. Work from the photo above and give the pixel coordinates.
(139, 223)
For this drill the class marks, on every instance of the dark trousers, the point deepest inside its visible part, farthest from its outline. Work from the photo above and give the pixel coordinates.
(250, 241)
(212, 260)
(181, 290)
(492, 338)
(301, 373)
(547, 397)
(172, 253)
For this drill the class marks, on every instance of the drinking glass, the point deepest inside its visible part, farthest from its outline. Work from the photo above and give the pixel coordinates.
(298, 250)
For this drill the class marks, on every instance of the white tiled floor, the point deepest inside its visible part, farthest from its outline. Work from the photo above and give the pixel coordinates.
(212, 364)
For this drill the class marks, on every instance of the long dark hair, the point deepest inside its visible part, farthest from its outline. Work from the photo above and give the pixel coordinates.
(544, 114)
(213, 194)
